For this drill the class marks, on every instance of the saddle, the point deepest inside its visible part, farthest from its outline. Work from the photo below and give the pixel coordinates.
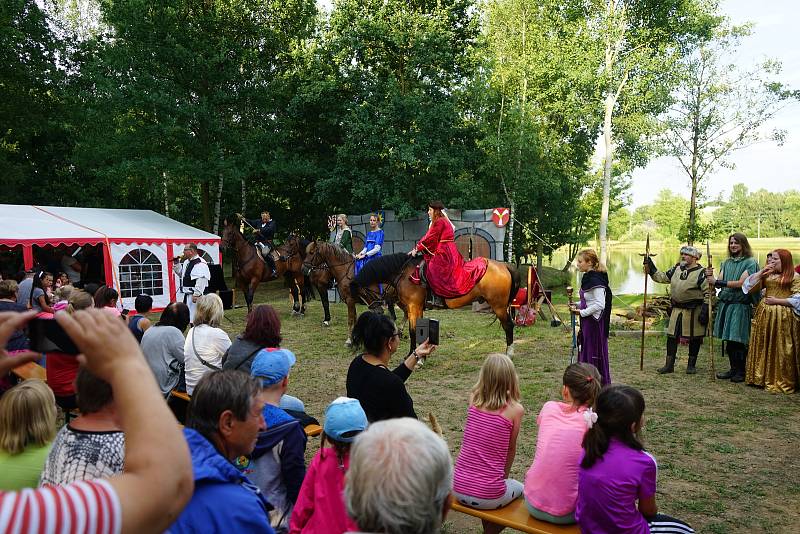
(417, 276)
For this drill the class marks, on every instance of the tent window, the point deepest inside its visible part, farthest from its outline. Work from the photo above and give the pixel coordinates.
(140, 272)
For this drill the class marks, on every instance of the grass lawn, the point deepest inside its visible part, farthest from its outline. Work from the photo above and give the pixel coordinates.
(727, 453)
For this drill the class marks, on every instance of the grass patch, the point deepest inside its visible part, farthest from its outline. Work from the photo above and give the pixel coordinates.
(727, 453)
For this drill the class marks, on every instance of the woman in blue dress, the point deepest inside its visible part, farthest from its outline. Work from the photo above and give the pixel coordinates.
(372, 245)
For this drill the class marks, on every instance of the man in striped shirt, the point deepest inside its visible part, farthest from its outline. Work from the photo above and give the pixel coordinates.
(157, 481)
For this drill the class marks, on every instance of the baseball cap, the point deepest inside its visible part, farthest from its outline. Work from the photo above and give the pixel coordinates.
(344, 418)
(272, 365)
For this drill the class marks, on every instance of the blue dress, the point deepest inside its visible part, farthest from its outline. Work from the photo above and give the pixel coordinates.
(374, 238)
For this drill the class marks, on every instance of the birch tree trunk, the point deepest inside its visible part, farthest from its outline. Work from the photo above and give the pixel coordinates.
(166, 194)
(609, 146)
(217, 205)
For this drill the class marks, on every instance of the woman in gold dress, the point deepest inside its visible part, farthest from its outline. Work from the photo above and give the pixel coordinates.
(773, 359)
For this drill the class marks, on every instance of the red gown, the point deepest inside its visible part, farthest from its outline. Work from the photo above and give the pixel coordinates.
(447, 273)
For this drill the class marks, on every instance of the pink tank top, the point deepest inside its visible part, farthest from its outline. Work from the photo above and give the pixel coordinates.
(481, 464)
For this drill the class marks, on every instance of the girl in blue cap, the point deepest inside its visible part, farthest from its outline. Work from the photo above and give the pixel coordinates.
(320, 507)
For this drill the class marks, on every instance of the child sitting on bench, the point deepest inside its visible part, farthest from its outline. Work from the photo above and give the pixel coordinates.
(481, 478)
(551, 484)
(617, 478)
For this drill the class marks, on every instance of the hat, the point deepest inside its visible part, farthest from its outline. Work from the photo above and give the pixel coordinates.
(344, 418)
(691, 251)
(272, 365)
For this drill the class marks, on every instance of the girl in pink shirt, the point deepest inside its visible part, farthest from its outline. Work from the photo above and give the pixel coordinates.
(480, 479)
(551, 484)
(320, 507)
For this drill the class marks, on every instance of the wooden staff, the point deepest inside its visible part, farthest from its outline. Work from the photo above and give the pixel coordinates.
(644, 306)
(710, 325)
(572, 320)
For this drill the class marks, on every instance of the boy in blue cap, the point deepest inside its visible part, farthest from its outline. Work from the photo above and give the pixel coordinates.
(277, 464)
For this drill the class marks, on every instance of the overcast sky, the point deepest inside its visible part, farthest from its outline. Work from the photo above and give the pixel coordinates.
(766, 165)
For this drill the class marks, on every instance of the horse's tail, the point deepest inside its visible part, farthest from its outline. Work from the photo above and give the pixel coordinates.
(515, 281)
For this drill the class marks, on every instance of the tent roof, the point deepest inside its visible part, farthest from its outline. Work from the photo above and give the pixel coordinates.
(24, 224)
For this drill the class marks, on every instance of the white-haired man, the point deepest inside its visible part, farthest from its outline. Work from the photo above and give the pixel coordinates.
(689, 298)
(399, 479)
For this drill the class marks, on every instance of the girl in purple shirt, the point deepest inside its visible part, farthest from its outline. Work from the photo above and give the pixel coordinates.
(616, 473)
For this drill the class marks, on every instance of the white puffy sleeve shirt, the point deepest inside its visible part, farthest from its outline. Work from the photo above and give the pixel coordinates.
(595, 302)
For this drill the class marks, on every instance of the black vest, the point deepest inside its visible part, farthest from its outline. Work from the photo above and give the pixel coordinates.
(187, 275)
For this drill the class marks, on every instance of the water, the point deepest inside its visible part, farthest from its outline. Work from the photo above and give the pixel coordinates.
(625, 264)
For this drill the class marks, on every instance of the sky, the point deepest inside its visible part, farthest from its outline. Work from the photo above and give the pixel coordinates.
(765, 165)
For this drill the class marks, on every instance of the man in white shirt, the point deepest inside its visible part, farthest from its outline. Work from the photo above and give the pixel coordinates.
(193, 277)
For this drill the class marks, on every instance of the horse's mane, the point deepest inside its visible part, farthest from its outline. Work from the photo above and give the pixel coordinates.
(339, 253)
(383, 269)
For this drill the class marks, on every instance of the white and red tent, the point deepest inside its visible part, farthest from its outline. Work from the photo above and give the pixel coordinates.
(137, 245)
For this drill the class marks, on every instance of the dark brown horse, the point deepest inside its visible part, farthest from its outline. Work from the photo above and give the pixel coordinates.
(497, 287)
(252, 270)
(325, 261)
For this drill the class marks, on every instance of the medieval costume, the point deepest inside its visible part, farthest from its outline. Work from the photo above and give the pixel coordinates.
(372, 248)
(265, 234)
(447, 274)
(734, 314)
(343, 237)
(595, 312)
(689, 314)
(773, 358)
(193, 277)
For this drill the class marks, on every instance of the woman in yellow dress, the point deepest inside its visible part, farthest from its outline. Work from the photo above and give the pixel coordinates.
(773, 359)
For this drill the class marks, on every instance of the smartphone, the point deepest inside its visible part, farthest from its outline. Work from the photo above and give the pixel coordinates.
(125, 312)
(427, 329)
(46, 335)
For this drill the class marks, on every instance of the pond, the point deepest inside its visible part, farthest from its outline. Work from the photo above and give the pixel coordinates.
(625, 264)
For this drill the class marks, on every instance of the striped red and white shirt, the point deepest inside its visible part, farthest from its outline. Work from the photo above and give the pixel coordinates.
(81, 507)
(481, 463)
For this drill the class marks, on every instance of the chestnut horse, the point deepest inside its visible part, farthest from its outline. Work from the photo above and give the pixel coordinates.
(252, 270)
(497, 287)
(325, 261)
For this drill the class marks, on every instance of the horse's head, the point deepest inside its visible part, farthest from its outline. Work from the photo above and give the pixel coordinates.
(313, 259)
(229, 232)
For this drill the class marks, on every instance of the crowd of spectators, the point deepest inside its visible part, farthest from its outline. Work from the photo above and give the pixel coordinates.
(239, 463)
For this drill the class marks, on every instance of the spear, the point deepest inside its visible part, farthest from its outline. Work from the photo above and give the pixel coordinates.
(644, 306)
(710, 325)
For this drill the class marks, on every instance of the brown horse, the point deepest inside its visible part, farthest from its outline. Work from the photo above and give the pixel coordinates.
(252, 270)
(497, 287)
(324, 261)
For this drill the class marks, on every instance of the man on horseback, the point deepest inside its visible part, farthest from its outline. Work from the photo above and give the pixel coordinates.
(446, 273)
(264, 229)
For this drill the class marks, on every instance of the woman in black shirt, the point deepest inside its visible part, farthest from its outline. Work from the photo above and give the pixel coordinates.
(381, 392)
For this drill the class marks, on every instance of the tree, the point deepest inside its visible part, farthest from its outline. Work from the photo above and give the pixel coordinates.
(399, 132)
(718, 109)
(33, 143)
(182, 99)
(537, 118)
(641, 41)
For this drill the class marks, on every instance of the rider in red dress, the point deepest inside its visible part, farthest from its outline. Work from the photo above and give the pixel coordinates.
(447, 273)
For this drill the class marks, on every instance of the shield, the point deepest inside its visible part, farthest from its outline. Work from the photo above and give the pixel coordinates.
(501, 216)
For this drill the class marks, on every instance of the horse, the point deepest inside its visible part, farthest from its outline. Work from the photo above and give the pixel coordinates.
(325, 261)
(498, 287)
(252, 270)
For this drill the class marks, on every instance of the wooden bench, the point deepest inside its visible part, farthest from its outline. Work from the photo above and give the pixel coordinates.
(30, 370)
(310, 430)
(516, 516)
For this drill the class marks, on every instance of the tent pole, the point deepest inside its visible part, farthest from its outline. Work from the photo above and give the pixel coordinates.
(27, 256)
